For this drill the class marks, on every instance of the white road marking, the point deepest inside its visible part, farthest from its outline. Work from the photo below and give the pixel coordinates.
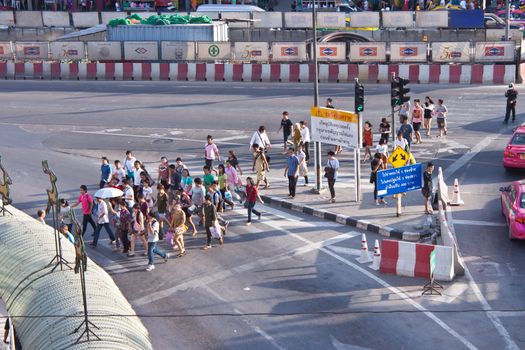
(508, 313)
(511, 345)
(385, 284)
(347, 251)
(224, 274)
(478, 223)
(238, 312)
(149, 137)
(466, 157)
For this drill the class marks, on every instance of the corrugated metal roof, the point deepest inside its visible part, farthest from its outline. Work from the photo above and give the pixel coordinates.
(30, 289)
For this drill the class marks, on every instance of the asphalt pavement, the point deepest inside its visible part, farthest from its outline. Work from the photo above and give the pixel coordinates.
(291, 280)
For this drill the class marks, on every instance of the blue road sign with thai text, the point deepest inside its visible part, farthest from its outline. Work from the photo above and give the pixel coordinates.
(399, 180)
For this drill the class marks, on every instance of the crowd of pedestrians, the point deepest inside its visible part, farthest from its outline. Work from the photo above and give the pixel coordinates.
(174, 202)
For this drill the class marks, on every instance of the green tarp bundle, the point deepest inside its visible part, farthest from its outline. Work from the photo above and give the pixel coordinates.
(161, 20)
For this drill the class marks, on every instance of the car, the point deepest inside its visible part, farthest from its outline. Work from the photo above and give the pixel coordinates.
(514, 153)
(513, 208)
(492, 21)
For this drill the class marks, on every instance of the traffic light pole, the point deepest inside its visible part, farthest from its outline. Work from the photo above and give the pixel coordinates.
(357, 151)
(394, 133)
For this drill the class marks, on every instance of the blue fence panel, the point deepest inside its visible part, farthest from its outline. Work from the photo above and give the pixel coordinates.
(466, 19)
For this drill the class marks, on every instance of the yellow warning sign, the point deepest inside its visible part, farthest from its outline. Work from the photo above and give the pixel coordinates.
(398, 158)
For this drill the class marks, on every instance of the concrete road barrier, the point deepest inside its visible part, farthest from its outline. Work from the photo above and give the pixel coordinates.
(413, 260)
(272, 72)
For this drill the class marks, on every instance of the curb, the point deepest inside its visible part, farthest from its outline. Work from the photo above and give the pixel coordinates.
(365, 225)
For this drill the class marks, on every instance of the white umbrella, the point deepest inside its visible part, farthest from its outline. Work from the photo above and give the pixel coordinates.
(108, 192)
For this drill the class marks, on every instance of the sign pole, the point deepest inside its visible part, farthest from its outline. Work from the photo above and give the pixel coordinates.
(357, 151)
(317, 144)
(507, 20)
(393, 117)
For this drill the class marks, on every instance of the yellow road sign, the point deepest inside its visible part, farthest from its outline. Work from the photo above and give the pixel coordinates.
(398, 158)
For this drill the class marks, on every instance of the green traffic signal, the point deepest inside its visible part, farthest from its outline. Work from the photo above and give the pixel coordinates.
(398, 91)
(359, 97)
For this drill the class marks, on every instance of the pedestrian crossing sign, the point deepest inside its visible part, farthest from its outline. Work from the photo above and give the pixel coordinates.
(398, 158)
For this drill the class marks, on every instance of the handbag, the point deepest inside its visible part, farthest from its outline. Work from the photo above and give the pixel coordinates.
(216, 231)
(179, 230)
(169, 238)
(137, 227)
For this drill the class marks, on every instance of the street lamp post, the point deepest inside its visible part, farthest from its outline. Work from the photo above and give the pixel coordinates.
(507, 20)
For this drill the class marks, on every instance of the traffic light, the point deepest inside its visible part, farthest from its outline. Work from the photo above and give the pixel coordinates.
(359, 97)
(399, 91)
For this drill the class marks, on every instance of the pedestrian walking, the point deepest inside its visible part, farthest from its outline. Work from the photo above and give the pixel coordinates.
(260, 137)
(119, 173)
(105, 172)
(404, 111)
(124, 227)
(296, 137)
(385, 129)
(303, 165)
(186, 181)
(329, 103)
(197, 199)
(129, 194)
(233, 180)
(441, 113)
(428, 107)
(330, 172)
(406, 130)
(210, 218)
(66, 232)
(162, 208)
(291, 171)
(152, 228)
(208, 179)
(512, 97)
(163, 170)
(417, 119)
(232, 158)
(382, 149)
(102, 221)
(211, 152)
(286, 127)
(129, 164)
(41, 217)
(260, 166)
(185, 202)
(426, 190)
(178, 227)
(86, 202)
(377, 164)
(305, 137)
(367, 140)
(252, 195)
(222, 178)
(66, 214)
(400, 141)
(138, 230)
(137, 170)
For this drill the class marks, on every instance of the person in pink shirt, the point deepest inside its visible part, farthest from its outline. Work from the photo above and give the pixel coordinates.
(211, 152)
(417, 119)
(86, 201)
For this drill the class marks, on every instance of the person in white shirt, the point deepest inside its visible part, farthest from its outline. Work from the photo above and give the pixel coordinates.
(332, 164)
(463, 4)
(137, 169)
(102, 221)
(260, 137)
(400, 141)
(152, 229)
(305, 137)
(129, 164)
(119, 172)
(129, 196)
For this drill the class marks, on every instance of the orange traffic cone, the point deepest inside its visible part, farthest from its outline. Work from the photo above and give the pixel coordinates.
(456, 199)
(365, 256)
(377, 256)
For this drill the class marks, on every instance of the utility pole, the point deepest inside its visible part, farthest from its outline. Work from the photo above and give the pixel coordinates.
(317, 145)
(507, 20)
(359, 107)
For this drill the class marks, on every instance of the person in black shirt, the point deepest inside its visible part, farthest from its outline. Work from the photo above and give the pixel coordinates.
(427, 186)
(329, 103)
(512, 96)
(377, 164)
(286, 126)
(384, 129)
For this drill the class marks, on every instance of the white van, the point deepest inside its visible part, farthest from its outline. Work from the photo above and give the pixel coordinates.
(229, 8)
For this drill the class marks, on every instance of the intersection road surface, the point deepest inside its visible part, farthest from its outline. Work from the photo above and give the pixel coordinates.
(289, 281)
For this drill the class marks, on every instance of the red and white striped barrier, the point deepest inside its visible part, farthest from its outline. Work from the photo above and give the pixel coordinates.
(271, 72)
(413, 260)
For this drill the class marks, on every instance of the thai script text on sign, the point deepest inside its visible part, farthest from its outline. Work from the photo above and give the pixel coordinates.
(334, 126)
